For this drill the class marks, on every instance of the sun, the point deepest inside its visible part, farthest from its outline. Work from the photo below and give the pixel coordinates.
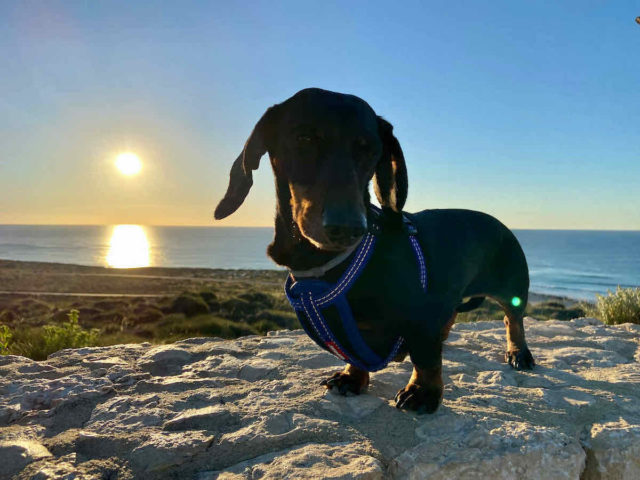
(128, 163)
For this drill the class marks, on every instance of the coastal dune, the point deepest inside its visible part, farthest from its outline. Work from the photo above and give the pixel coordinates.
(208, 408)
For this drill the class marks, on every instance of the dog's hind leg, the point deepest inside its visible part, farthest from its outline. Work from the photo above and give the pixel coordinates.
(350, 379)
(447, 326)
(512, 293)
(518, 354)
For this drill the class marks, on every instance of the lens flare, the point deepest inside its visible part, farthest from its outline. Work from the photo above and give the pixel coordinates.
(516, 301)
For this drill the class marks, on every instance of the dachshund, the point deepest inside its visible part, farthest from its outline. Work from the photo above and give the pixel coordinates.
(325, 148)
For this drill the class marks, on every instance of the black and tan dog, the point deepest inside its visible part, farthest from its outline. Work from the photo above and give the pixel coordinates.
(325, 148)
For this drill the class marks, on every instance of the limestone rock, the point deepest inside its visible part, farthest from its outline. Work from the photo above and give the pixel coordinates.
(253, 408)
(339, 461)
(467, 449)
(164, 360)
(17, 454)
(212, 417)
(613, 450)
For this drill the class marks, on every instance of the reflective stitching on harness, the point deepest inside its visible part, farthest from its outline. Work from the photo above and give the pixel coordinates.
(423, 269)
(330, 340)
(313, 324)
(355, 268)
(318, 316)
(347, 277)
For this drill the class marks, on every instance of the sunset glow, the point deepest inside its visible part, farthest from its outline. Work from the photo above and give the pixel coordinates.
(128, 247)
(135, 115)
(128, 163)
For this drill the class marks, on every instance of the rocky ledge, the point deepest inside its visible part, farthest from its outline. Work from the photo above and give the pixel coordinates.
(252, 408)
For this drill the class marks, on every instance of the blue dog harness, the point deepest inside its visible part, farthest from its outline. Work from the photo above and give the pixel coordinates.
(311, 296)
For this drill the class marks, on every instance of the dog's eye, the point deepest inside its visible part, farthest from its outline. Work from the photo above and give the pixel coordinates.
(304, 139)
(363, 145)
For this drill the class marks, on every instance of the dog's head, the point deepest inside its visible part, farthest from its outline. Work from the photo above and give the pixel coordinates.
(324, 148)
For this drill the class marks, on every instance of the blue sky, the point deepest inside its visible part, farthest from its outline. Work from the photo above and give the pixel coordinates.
(529, 111)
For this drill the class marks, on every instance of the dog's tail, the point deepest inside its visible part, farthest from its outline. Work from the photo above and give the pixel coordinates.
(469, 305)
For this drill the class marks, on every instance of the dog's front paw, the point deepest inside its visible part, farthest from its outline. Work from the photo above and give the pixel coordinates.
(347, 381)
(422, 399)
(520, 359)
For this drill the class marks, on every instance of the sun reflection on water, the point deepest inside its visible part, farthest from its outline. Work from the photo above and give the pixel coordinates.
(128, 247)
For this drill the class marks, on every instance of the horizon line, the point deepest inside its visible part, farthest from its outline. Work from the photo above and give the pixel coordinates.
(271, 227)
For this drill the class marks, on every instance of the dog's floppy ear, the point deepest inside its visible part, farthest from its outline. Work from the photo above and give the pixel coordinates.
(390, 180)
(241, 177)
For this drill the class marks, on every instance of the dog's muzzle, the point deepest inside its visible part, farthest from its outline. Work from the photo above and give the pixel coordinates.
(343, 228)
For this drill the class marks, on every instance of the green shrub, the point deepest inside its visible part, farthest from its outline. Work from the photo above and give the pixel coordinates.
(621, 306)
(264, 326)
(556, 311)
(257, 298)
(38, 343)
(5, 338)
(189, 304)
(219, 327)
(237, 308)
(147, 314)
(279, 318)
(211, 299)
(69, 335)
(27, 342)
(106, 305)
(8, 316)
(173, 327)
(106, 318)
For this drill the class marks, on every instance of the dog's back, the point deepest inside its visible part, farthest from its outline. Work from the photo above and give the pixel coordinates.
(472, 254)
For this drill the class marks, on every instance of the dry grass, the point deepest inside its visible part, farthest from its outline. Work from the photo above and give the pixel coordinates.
(621, 306)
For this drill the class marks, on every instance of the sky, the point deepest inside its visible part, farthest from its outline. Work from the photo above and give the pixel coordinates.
(529, 111)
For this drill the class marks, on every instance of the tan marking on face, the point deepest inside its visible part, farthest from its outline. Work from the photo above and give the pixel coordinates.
(306, 208)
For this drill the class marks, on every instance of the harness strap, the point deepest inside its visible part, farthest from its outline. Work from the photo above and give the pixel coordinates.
(321, 328)
(360, 259)
(367, 359)
(421, 263)
(309, 296)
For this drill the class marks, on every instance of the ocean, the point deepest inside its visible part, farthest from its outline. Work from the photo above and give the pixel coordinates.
(569, 263)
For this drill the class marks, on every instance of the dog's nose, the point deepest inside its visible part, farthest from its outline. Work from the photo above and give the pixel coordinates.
(344, 234)
(344, 229)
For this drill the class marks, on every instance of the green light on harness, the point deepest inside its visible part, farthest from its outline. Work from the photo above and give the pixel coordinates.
(515, 301)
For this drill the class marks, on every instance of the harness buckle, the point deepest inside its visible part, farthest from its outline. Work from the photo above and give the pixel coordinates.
(374, 220)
